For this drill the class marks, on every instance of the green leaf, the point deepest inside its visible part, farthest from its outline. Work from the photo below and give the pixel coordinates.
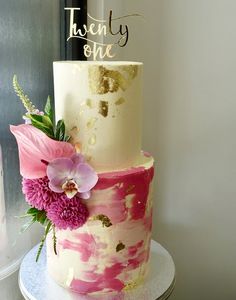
(32, 211)
(41, 217)
(67, 138)
(54, 237)
(38, 122)
(46, 121)
(60, 131)
(48, 109)
(27, 225)
(47, 229)
(42, 119)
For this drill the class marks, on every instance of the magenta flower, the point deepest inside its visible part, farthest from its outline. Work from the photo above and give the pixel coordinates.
(71, 176)
(68, 214)
(38, 194)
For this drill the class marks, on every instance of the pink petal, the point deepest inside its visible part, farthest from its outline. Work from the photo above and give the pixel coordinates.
(85, 196)
(56, 185)
(35, 146)
(59, 169)
(78, 158)
(86, 178)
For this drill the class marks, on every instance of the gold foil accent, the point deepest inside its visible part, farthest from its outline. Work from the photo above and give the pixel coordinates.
(106, 222)
(103, 80)
(74, 135)
(132, 71)
(92, 140)
(120, 101)
(78, 147)
(120, 247)
(88, 158)
(130, 188)
(134, 284)
(103, 108)
(74, 129)
(91, 123)
(89, 103)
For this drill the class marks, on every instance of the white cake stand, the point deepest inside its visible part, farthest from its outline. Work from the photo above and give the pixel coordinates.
(35, 283)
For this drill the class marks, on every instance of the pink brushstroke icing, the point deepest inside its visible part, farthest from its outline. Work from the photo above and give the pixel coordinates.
(133, 182)
(107, 280)
(134, 263)
(146, 154)
(85, 250)
(132, 250)
(86, 245)
(123, 197)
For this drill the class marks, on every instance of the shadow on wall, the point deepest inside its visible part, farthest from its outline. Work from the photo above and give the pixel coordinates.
(195, 262)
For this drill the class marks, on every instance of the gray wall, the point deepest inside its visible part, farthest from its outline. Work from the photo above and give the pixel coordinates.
(29, 42)
(189, 52)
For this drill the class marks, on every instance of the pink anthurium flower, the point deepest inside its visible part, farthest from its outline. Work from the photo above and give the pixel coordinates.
(36, 147)
(72, 176)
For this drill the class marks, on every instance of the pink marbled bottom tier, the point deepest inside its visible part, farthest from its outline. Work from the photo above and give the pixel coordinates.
(100, 259)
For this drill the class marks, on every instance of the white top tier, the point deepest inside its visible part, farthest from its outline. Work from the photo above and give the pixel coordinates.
(101, 105)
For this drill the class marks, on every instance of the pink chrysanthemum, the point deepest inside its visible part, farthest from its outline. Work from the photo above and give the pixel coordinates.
(68, 213)
(38, 194)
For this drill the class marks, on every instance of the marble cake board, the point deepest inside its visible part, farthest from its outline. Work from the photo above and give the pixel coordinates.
(35, 283)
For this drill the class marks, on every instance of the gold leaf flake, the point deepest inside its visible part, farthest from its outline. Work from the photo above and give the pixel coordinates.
(103, 80)
(106, 222)
(78, 147)
(130, 188)
(92, 140)
(91, 123)
(131, 71)
(103, 108)
(134, 284)
(120, 101)
(88, 158)
(74, 129)
(120, 247)
(89, 103)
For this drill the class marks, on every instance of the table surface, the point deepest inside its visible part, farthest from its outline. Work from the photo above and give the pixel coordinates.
(35, 283)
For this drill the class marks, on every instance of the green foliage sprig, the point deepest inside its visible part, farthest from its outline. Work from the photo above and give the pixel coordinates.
(45, 122)
(36, 215)
(23, 97)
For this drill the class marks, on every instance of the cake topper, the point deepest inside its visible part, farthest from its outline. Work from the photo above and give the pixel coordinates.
(99, 28)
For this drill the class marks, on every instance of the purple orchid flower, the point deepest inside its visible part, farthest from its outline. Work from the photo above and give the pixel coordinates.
(72, 176)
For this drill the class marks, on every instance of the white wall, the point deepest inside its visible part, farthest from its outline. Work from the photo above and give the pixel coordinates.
(189, 51)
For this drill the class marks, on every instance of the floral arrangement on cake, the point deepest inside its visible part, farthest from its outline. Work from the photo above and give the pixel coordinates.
(57, 180)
